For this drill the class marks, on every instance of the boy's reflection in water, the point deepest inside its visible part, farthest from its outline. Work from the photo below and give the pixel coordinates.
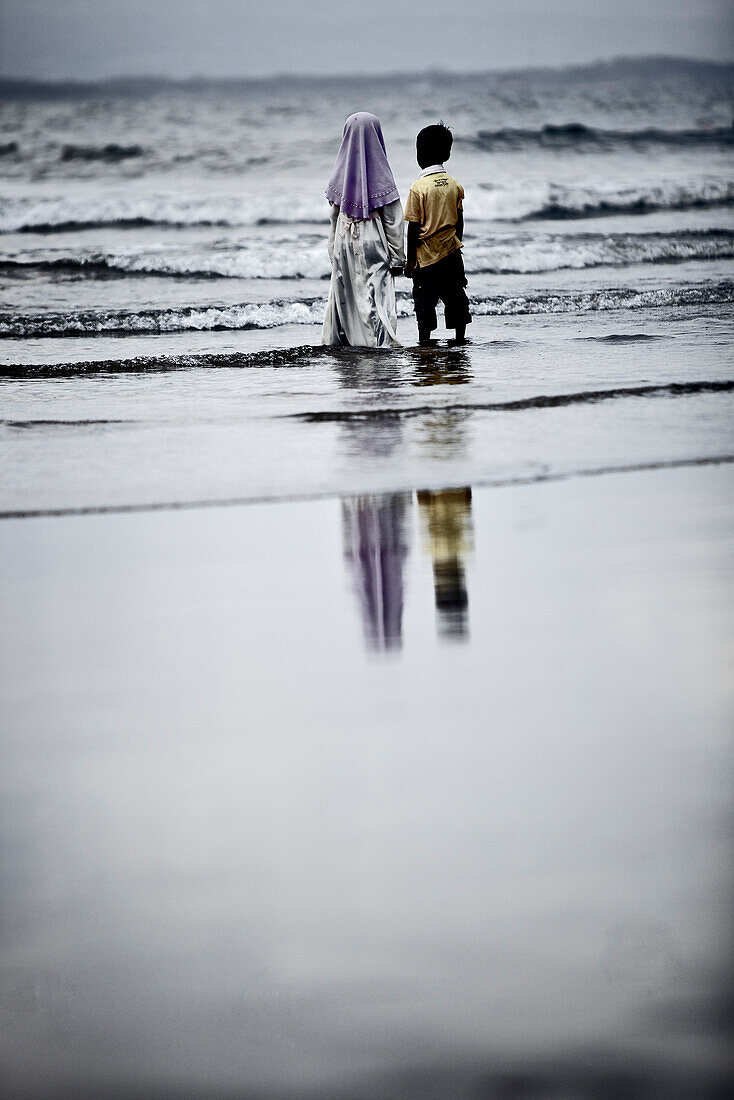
(446, 515)
(441, 367)
(375, 547)
(447, 525)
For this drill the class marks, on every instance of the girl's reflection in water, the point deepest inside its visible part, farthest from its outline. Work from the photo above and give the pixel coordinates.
(375, 547)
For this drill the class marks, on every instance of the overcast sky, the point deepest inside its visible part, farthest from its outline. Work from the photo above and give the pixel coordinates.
(98, 38)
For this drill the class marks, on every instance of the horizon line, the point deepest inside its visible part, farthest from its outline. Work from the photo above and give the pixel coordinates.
(431, 71)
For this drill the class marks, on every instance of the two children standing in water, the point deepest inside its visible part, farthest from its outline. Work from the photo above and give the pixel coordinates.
(366, 239)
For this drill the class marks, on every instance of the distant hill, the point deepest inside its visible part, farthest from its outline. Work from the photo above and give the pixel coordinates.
(619, 70)
(631, 68)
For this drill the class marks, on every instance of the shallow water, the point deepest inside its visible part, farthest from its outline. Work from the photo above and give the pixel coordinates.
(528, 398)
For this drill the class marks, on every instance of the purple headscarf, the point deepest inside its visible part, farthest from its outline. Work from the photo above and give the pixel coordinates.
(361, 180)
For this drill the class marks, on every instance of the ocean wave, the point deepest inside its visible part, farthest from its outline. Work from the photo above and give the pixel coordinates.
(575, 135)
(614, 298)
(565, 203)
(111, 152)
(289, 259)
(293, 259)
(63, 213)
(546, 252)
(538, 401)
(298, 356)
(188, 319)
(311, 311)
(542, 200)
(623, 337)
(523, 201)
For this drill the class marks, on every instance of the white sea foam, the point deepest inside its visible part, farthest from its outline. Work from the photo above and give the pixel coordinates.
(548, 252)
(526, 199)
(256, 259)
(261, 258)
(245, 316)
(64, 211)
(601, 300)
(311, 311)
(544, 199)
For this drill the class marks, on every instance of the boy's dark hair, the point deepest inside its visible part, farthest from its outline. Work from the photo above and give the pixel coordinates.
(433, 145)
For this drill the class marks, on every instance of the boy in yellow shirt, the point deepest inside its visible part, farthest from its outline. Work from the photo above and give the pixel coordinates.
(435, 220)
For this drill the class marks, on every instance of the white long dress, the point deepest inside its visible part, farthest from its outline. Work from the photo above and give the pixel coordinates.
(361, 309)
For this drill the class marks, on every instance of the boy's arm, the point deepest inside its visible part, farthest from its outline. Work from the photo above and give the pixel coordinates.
(460, 225)
(413, 233)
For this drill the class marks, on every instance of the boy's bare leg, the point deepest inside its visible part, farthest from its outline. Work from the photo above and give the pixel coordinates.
(460, 337)
(424, 337)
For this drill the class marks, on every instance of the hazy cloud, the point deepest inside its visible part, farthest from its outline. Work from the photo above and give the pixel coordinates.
(97, 38)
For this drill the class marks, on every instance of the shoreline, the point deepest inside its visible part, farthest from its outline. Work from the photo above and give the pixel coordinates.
(329, 494)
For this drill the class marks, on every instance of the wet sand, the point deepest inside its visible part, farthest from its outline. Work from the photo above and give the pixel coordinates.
(403, 795)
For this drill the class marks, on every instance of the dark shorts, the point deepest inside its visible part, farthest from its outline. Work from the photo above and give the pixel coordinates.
(445, 282)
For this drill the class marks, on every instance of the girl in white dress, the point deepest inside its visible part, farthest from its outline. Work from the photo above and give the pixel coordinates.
(365, 240)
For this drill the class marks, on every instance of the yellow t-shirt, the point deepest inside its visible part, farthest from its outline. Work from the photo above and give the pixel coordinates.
(434, 202)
